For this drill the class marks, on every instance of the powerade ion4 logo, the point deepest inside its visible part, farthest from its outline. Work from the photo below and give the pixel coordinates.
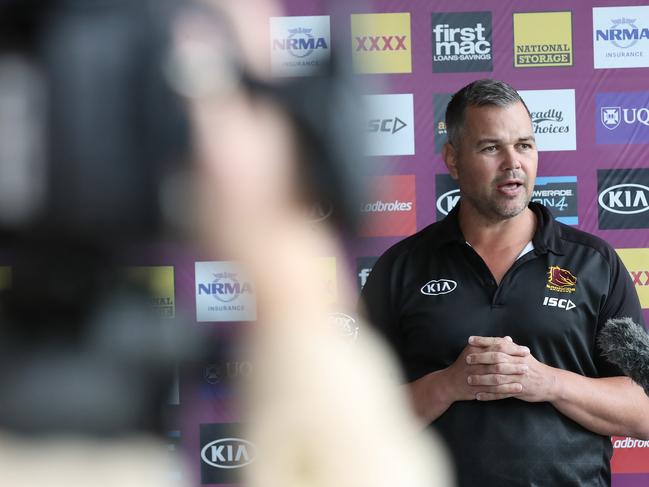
(623, 198)
(620, 37)
(223, 293)
(299, 45)
(461, 42)
(223, 453)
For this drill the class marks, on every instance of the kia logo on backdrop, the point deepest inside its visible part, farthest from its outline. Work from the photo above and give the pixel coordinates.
(553, 118)
(299, 45)
(447, 195)
(461, 42)
(391, 209)
(622, 118)
(381, 43)
(623, 198)
(390, 125)
(224, 454)
(621, 37)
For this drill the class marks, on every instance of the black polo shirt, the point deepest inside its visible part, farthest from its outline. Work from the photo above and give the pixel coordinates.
(428, 293)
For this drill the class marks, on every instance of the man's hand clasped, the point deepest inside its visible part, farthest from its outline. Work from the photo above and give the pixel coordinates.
(491, 368)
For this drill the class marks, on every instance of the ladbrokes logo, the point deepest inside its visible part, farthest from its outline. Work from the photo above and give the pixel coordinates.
(623, 198)
(223, 293)
(461, 42)
(622, 118)
(561, 280)
(636, 262)
(299, 45)
(390, 125)
(542, 39)
(553, 118)
(629, 455)
(620, 37)
(391, 212)
(381, 43)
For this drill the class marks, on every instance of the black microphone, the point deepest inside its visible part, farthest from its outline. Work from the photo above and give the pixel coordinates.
(626, 344)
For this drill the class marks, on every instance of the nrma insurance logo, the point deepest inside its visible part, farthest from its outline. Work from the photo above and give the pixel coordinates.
(299, 45)
(223, 293)
(622, 118)
(621, 37)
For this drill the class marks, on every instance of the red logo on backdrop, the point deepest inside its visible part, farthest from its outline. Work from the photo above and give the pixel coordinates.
(391, 211)
(629, 455)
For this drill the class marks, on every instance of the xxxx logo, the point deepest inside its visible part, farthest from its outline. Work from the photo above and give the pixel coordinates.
(381, 43)
(640, 278)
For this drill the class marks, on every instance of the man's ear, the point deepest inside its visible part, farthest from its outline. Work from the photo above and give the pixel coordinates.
(449, 153)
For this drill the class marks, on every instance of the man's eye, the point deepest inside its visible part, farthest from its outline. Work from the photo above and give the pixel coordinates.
(490, 148)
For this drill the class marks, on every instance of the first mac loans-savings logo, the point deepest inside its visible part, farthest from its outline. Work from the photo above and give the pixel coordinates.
(299, 45)
(461, 42)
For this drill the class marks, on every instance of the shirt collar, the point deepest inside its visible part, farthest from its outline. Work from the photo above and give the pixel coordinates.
(547, 236)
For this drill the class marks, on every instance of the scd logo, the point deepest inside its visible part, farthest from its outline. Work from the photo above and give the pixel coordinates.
(299, 45)
(223, 293)
(623, 198)
(622, 118)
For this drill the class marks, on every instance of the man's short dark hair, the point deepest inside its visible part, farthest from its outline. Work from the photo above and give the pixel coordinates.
(483, 92)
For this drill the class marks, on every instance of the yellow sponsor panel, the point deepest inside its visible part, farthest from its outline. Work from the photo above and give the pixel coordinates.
(637, 263)
(381, 43)
(5, 277)
(159, 280)
(326, 269)
(543, 39)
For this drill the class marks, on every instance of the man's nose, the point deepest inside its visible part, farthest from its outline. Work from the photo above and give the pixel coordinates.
(510, 159)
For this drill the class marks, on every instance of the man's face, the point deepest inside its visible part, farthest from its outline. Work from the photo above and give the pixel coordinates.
(495, 162)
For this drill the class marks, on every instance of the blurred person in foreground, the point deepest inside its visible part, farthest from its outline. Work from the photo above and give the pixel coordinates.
(321, 411)
(494, 313)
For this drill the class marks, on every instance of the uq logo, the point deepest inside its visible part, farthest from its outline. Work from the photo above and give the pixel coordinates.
(225, 287)
(438, 286)
(228, 453)
(300, 42)
(625, 199)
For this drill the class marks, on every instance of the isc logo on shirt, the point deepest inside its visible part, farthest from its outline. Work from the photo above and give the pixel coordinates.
(566, 304)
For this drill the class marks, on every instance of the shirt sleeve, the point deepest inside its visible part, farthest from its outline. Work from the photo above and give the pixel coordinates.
(621, 302)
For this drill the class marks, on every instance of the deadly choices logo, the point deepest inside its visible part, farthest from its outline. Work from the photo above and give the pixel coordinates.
(621, 37)
(553, 118)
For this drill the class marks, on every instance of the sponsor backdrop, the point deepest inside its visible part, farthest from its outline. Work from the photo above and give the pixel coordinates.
(582, 68)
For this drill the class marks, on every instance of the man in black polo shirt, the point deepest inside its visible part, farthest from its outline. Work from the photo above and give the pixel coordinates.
(493, 313)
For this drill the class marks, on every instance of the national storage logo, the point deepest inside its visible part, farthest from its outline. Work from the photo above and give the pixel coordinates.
(557, 193)
(461, 42)
(223, 293)
(542, 39)
(224, 454)
(391, 212)
(440, 102)
(620, 37)
(636, 262)
(623, 198)
(390, 125)
(622, 118)
(159, 281)
(299, 45)
(381, 43)
(553, 118)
